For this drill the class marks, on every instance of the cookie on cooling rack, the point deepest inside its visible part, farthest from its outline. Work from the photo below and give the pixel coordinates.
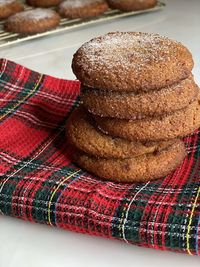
(32, 21)
(82, 8)
(9, 7)
(131, 5)
(43, 3)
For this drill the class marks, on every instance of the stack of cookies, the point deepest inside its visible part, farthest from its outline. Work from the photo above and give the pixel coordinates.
(138, 99)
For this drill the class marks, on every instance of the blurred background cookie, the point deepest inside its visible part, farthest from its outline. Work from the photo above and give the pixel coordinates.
(43, 3)
(9, 7)
(82, 8)
(32, 21)
(131, 5)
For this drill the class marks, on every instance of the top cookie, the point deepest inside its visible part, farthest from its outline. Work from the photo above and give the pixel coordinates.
(131, 61)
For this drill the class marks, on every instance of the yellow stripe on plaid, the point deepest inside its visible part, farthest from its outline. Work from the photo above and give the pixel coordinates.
(128, 209)
(190, 222)
(22, 100)
(54, 192)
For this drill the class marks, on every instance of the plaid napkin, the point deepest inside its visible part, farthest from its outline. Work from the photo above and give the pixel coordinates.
(39, 183)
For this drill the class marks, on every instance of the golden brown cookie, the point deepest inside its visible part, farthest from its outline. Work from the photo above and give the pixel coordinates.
(131, 61)
(9, 7)
(134, 106)
(177, 124)
(43, 3)
(139, 169)
(131, 5)
(82, 8)
(32, 21)
(83, 134)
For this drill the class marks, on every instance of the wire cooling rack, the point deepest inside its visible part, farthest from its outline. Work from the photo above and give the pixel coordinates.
(7, 38)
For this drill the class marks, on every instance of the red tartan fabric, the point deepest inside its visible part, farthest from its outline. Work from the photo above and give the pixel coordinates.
(39, 183)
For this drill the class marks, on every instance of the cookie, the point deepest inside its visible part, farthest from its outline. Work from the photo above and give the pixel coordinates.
(137, 169)
(132, 106)
(132, 62)
(74, 9)
(131, 5)
(43, 3)
(83, 134)
(32, 21)
(177, 124)
(9, 7)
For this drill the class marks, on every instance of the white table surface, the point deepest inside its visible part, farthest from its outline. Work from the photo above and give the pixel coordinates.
(24, 244)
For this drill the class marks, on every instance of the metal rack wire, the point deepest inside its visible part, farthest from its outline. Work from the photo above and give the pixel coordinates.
(7, 38)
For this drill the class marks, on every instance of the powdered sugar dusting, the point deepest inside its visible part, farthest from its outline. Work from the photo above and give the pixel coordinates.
(128, 48)
(36, 14)
(78, 3)
(5, 2)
